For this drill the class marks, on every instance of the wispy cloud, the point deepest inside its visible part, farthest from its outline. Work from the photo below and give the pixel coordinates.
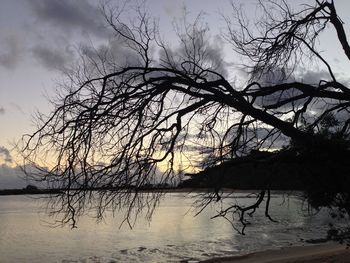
(5, 155)
(52, 59)
(174, 8)
(10, 52)
(17, 107)
(2, 110)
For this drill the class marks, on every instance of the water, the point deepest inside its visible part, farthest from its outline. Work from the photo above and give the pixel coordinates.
(173, 235)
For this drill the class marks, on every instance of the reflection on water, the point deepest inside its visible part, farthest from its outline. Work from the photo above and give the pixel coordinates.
(173, 235)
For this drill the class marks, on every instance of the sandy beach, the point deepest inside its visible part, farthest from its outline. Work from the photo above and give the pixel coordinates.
(323, 253)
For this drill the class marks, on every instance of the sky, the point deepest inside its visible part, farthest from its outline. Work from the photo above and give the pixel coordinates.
(40, 38)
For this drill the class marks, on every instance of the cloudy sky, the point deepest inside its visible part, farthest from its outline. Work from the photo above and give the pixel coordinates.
(39, 38)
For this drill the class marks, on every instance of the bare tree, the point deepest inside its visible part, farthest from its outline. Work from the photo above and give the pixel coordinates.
(119, 121)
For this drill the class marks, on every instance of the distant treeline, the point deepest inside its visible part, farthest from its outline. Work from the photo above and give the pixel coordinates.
(291, 169)
(31, 190)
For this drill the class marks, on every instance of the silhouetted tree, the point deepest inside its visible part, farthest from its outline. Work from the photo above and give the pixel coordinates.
(119, 119)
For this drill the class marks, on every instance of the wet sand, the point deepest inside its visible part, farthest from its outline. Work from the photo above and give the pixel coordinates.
(324, 253)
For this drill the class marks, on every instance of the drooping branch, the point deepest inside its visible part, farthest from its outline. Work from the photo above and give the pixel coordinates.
(120, 124)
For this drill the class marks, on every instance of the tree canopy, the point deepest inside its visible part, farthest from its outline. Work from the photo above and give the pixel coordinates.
(121, 122)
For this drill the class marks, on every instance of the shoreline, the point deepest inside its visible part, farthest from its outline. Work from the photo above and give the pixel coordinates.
(320, 253)
(23, 191)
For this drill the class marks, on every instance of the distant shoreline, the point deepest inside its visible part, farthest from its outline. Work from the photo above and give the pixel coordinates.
(164, 190)
(28, 192)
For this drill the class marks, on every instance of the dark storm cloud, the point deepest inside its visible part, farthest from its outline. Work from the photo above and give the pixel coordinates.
(303, 75)
(72, 24)
(11, 177)
(309, 76)
(5, 155)
(2, 110)
(69, 15)
(10, 52)
(17, 177)
(52, 58)
(318, 106)
(313, 77)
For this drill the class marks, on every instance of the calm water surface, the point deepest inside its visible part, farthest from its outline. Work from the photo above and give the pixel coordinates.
(173, 235)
